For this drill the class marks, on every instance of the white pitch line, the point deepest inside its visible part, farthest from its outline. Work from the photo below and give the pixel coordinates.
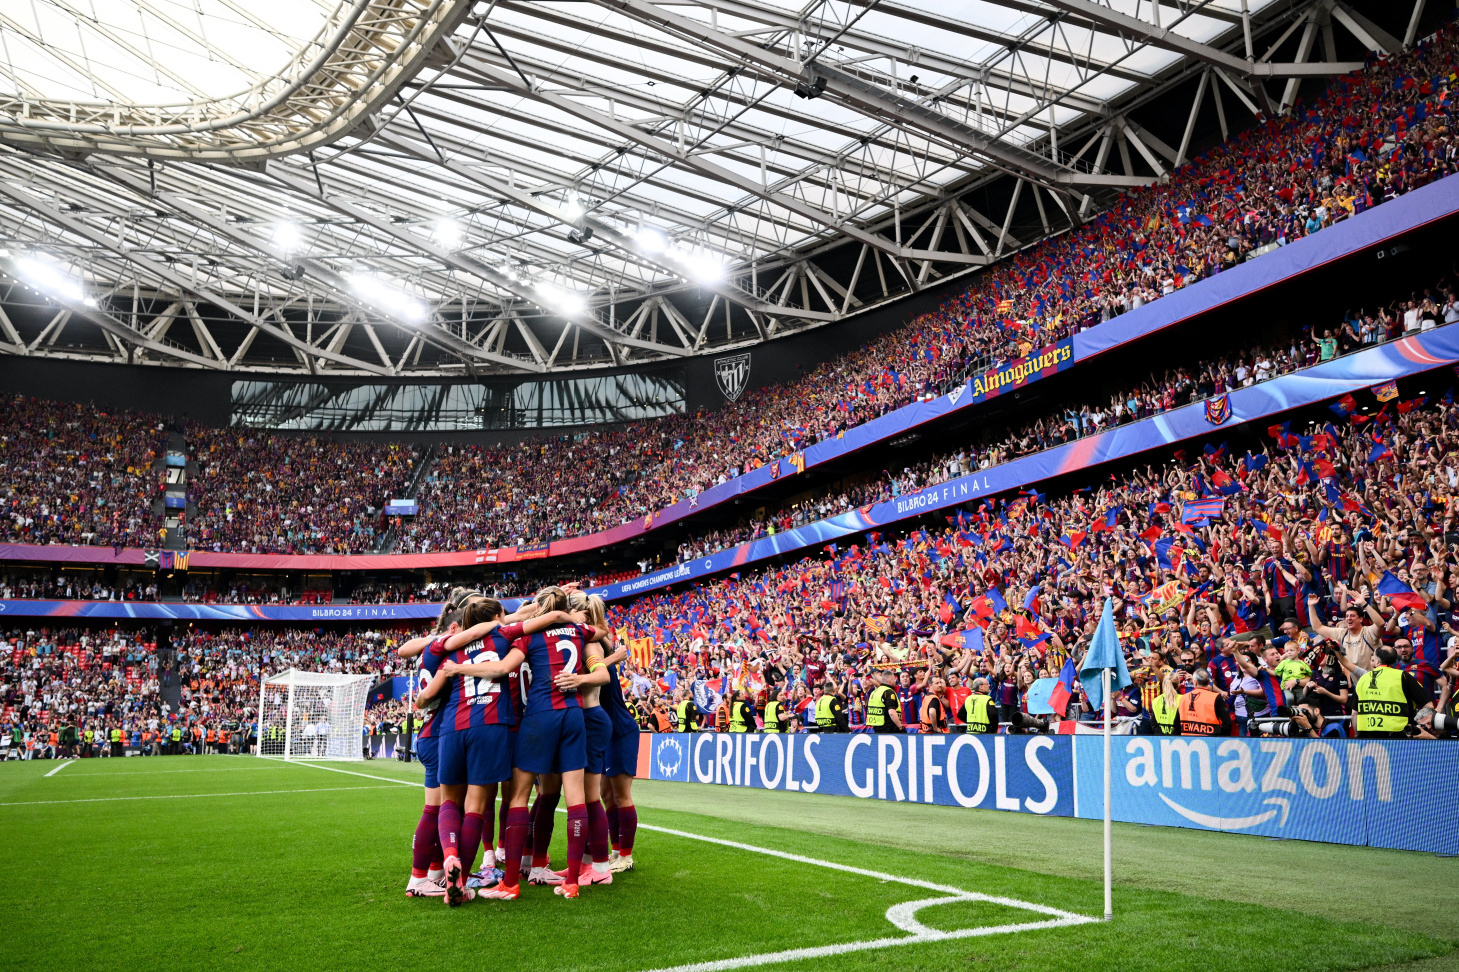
(900, 915)
(825, 951)
(880, 876)
(192, 796)
(335, 769)
(126, 774)
(61, 767)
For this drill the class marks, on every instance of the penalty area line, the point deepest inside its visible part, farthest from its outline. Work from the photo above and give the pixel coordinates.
(62, 766)
(335, 769)
(191, 796)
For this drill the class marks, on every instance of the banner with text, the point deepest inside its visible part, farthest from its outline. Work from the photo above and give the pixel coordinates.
(1030, 774)
(1379, 793)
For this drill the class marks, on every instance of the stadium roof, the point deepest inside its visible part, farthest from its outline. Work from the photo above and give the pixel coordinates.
(444, 187)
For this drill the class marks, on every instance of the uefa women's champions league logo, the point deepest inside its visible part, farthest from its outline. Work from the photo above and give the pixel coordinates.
(732, 374)
(670, 757)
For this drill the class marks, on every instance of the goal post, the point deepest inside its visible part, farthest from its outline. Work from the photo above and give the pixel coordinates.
(313, 715)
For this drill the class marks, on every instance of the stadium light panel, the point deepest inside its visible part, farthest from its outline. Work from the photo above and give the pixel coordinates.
(389, 298)
(51, 279)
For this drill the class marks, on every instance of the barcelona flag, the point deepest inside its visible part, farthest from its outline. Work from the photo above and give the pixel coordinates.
(1218, 409)
(1385, 392)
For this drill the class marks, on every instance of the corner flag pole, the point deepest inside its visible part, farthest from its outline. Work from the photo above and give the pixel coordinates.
(1106, 661)
(1108, 851)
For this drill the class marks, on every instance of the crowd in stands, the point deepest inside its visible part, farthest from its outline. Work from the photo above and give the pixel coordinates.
(1329, 547)
(1370, 137)
(78, 474)
(258, 492)
(77, 685)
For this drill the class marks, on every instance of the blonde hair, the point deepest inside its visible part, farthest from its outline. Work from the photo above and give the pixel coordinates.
(552, 598)
(597, 612)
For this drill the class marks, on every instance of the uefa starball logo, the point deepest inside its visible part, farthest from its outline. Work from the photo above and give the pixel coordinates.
(732, 374)
(670, 757)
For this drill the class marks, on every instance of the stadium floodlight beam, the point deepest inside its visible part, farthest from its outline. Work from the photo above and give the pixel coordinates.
(389, 298)
(563, 301)
(48, 278)
(449, 233)
(287, 237)
(650, 239)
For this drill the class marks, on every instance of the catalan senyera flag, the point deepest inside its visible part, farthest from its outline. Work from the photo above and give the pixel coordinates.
(1005, 305)
(179, 559)
(641, 650)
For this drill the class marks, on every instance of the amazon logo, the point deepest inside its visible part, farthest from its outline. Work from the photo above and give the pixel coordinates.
(1237, 784)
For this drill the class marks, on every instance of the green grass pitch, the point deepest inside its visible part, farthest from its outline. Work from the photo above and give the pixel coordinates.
(240, 863)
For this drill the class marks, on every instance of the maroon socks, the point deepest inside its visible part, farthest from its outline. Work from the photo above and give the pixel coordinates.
(423, 843)
(471, 827)
(613, 827)
(513, 839)
(627, 828)
(577, 839)
(542, 813)
(449, 827)
(597, 832)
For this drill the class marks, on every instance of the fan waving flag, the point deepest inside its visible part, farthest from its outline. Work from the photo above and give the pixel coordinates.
(1385, 392)
(1064, 691)
(1218, 409)
(1400, 594)
(1199, 511)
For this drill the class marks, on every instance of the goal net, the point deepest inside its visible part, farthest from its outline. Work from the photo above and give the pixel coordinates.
(313, 715)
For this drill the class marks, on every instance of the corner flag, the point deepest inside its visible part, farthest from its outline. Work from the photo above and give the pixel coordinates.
(1104, 653)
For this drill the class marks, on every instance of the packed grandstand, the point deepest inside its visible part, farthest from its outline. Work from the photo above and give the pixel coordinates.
(1274, 567)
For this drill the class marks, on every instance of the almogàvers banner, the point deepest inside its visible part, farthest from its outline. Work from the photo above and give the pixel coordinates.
(1345, 791)
(1040, 364)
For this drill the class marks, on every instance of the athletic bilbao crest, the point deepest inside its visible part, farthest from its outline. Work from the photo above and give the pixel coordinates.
(732, 373)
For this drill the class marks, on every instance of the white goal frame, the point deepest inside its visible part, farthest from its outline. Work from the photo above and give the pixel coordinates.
(303, 703)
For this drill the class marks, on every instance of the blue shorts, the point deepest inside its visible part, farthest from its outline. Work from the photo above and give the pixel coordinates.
(478, 756)
(552, 741)
(600, 732)
(622, 755)
(425, 751)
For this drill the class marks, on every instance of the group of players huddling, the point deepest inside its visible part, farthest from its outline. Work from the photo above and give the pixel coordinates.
(513, 701)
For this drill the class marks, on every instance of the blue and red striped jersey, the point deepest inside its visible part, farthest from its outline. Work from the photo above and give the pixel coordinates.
(558, 649)
(473, 701)
(430, 663)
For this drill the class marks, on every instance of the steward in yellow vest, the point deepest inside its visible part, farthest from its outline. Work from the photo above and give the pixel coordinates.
(978, 710)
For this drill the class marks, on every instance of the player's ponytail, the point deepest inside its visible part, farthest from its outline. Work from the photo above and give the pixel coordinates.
(552, 598)
(454, 600)
(480, 611)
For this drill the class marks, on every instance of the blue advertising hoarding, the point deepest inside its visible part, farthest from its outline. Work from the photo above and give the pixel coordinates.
(1029, 774)
(1342, 791)
(1379, 793)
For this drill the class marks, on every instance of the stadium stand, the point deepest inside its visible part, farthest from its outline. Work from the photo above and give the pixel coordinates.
(78, 474)
(265, 493)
